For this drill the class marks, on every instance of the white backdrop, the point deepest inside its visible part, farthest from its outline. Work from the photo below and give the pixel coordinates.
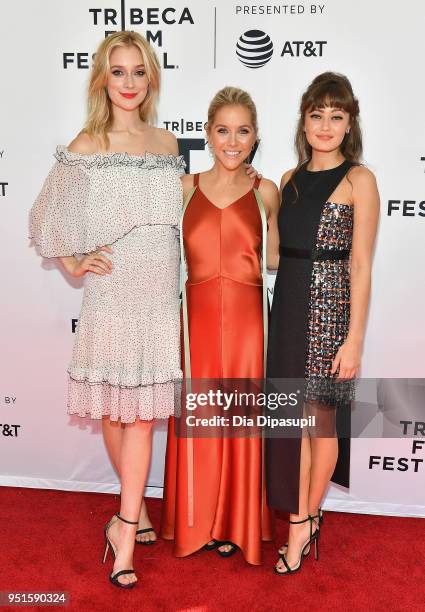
(45, 49)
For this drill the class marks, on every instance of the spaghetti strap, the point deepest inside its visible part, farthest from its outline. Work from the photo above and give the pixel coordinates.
(257, 182)
(196, 180)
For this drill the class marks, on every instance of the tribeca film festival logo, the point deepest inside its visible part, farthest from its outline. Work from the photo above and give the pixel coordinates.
(407, 208)
(114, 20)
(6, 429)
(255, 48)
(3, 184)
(186, 131)
(403, 464)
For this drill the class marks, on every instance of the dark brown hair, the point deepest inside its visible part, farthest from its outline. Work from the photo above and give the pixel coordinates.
(331, 89)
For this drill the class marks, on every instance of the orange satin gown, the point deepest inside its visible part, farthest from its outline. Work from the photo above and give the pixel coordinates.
(224, 297)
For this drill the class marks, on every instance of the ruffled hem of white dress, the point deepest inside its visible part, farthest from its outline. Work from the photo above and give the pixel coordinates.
(125, 404)
(125, 378)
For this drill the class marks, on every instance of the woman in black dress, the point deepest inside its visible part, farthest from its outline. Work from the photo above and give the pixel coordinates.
(327, 226)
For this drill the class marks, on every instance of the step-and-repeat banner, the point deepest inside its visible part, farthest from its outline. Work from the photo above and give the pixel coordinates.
(46, 49)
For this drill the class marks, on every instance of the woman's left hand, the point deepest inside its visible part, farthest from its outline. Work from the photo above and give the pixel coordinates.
(347, 360)
(252, 172)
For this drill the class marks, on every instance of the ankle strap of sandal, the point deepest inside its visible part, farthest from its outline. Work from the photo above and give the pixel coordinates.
(299, 522)
(126, 521)
(309, 518)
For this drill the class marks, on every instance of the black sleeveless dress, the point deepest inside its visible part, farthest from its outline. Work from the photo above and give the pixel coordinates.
(310, 316)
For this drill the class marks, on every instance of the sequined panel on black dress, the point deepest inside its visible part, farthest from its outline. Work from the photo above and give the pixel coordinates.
(329, 307)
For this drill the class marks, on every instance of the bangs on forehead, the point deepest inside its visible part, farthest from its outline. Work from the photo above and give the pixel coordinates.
(330, 95)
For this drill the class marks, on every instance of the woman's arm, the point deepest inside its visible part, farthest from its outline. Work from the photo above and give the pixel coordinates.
(92, 262)
(273, 240)
(270, 196)
(187, 183)
(366, 214)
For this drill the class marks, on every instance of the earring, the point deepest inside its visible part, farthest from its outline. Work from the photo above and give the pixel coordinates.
(347, 131)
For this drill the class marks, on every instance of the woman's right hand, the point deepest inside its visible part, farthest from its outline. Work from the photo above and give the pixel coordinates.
(93, 262)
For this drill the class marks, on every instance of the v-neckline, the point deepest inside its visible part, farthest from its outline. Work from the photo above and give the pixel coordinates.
(228, 205)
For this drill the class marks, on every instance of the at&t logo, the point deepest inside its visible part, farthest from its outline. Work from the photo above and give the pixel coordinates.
(255, 48)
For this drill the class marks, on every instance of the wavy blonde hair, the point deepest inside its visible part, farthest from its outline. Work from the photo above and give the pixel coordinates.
(99, 117)
(229, 96)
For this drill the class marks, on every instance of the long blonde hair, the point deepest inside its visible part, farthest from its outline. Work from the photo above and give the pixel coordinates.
(99, 116)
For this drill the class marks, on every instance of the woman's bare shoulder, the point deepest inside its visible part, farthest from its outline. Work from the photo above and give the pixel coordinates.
(361, 176)
(166, 140)
(268, 188)
(83, 143)
(286, 176)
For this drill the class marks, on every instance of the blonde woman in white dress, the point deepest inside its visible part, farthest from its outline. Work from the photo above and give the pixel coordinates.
(109, 209)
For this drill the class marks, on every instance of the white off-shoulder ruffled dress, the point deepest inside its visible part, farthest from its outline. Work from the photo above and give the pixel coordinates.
(126, 356)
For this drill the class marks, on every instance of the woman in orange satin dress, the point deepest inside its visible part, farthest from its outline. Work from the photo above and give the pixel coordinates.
(214, 486)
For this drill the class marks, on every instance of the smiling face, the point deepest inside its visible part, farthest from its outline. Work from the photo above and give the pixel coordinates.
(232, 135)
(127, 81)
(325, 128)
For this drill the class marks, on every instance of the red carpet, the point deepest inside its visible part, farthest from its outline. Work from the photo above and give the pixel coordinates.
(52, 540)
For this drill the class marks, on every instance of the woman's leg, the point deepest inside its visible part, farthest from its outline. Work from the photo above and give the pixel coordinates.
(112, 435)
(298, 534)
(319, 453)
(134, 460)
(324, 453)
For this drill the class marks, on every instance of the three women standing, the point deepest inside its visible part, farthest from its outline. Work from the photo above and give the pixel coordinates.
(116, 190)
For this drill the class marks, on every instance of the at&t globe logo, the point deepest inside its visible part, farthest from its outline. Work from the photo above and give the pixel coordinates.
(254, 48)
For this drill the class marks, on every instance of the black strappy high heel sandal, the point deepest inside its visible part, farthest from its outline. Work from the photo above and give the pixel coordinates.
(146, 530)
(227, 553)
(282, 550)
(108, 545)
(212, 545)
(314, 537)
